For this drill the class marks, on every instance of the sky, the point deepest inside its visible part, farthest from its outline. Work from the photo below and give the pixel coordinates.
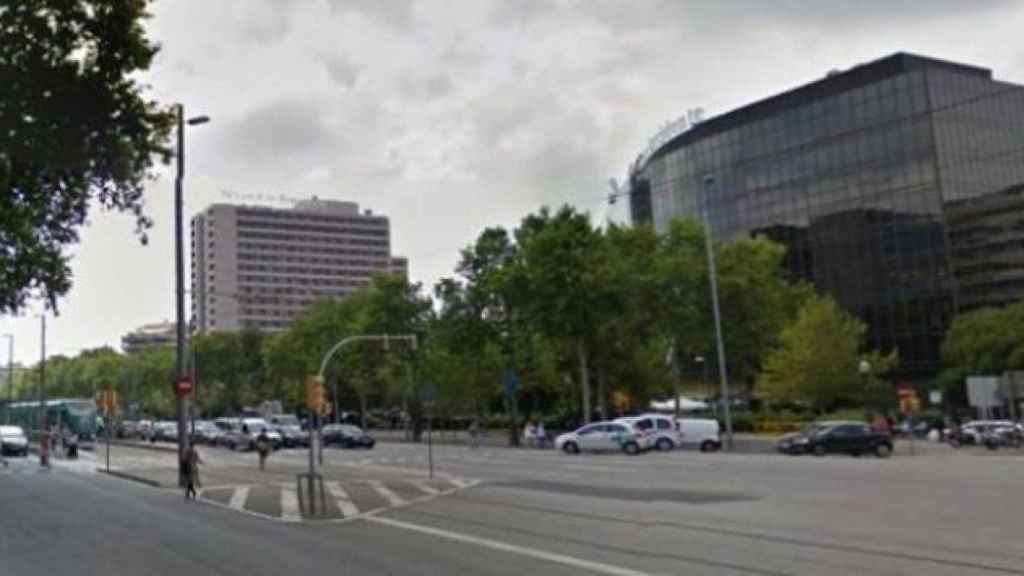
(452, 116)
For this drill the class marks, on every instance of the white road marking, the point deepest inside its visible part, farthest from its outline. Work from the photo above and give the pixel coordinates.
(345, 504)
(386, 493)
(290, 504)
(423, 486)
(238, 497)
(460, 483)
(594, 567)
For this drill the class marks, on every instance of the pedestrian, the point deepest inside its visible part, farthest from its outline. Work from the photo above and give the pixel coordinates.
(44, 449)
(263, 447)
(529, 433)
(190, 466)
(474, 434)
(542, 435)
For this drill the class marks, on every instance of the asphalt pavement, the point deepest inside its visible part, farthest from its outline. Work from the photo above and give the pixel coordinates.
(525, 512)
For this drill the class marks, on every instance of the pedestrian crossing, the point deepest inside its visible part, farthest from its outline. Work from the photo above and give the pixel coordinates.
(345, 500)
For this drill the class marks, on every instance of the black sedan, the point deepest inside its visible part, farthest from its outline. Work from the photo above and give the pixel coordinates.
(346, 436)
(821, 438)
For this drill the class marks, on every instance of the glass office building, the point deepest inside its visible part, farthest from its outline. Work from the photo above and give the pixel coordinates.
(854, 174)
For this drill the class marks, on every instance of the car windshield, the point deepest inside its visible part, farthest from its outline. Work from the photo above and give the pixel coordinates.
(351, 430)
(286, 420)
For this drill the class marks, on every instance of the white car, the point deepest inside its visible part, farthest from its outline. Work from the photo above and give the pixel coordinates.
(703, 433)
(658, 429)
(13, 441)
(602, 437)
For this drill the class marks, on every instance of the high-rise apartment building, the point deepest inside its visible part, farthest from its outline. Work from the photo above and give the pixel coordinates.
(258, 267)
(857, 174)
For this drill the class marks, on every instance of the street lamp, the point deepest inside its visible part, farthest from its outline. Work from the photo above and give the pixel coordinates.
(179, 263)
(709, 182)
(10, 366)
(864, 367)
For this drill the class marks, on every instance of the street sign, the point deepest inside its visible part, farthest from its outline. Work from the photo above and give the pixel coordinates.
(511, 382)
(935, 396)
(183, 386)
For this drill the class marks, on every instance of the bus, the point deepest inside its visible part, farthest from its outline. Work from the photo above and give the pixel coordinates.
(76, 414)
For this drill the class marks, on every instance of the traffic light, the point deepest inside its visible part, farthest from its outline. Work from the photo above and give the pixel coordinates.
(316, 396)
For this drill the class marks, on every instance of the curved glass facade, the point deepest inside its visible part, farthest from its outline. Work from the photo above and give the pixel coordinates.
(852, 174)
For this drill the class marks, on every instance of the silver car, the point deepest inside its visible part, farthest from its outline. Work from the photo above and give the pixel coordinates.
(13, 441)
(602, 437)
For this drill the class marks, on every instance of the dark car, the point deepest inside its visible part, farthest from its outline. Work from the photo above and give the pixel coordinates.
(854, 438)
(346, 436)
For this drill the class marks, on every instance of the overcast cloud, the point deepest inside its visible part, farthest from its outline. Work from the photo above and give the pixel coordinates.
(449, 116)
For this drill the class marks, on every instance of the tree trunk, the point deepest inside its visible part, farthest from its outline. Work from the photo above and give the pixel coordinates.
(513, 420)
(602, 390)
(581, 351)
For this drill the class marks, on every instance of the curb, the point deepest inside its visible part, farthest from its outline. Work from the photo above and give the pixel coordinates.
(154, 448)
(132, 477)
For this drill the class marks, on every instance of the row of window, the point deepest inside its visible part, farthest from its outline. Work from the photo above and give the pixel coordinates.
(288, 251)
(346, 230)
(332, 240)
(302, 281)
(313, 217)
(353, 268)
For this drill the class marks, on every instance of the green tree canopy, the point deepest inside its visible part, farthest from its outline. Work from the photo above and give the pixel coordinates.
(817, 359)
(75, 131)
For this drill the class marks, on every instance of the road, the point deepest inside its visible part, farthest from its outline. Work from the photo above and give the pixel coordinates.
(526, 512)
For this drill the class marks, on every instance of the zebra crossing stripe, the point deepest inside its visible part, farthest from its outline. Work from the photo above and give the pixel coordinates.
(238, 498)
(423, 486)
(460, 483)
(345, 504)
(290, 504)
(386, 493)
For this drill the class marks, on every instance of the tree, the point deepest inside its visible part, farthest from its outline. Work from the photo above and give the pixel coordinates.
(986, 341)
(559, 253)
(818, 356)
(75, 130)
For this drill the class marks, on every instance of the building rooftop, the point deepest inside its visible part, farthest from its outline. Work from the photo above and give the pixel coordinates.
(834, 82)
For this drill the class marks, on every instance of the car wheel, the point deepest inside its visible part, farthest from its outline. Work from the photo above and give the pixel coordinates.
(709, 446)
(664, 444)
(571, 448)
(883, 450)
(631, 448)
(819, 450)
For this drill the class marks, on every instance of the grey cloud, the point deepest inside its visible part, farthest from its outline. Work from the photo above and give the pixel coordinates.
(391, 13)
(427, 88)
(278, 131)
(340, 69)
(505, 12)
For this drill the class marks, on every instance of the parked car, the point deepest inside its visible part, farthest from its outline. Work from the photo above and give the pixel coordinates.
(290, 429)
(704, 433)
(602, 437)
(975, 431)
(164, 431)
(658, 430)
(241, 433)
(206, 433)
(845, 437)
(346, 436)
(13, 441)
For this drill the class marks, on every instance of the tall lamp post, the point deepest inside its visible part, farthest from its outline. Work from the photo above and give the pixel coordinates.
(864, 368)
(10, 366)
(709, 183)
(179, 264)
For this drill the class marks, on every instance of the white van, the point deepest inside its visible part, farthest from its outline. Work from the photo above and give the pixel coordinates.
(701, 432)
(658, 430)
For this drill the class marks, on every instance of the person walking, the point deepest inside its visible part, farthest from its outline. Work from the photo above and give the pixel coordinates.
(474, 434)
(542, 435)
(529, 433)
(190, 466)
(44, 449)
(263, 447)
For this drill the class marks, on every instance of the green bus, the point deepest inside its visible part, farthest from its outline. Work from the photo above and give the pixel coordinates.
(76, 414)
